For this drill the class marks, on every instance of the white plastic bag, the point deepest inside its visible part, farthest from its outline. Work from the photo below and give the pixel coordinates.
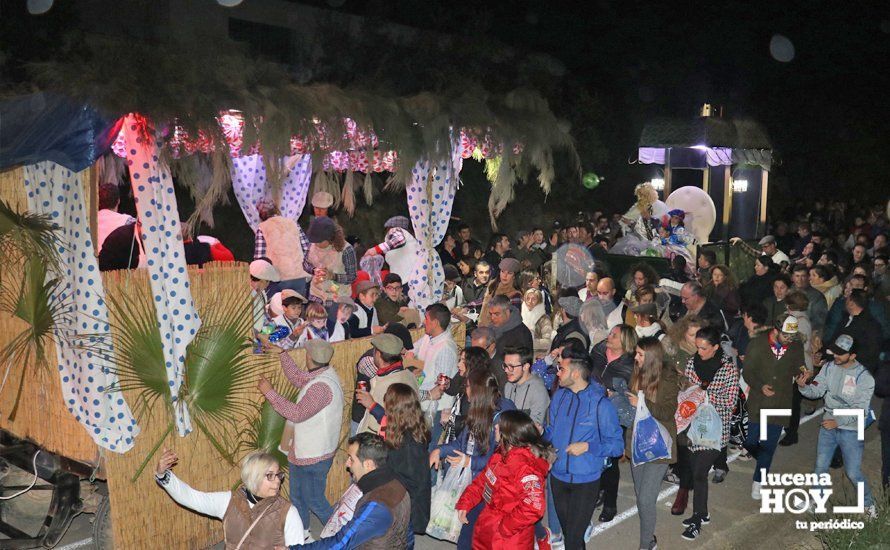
(343, 511)
(706, 428)
(444, 524)
(650, 440)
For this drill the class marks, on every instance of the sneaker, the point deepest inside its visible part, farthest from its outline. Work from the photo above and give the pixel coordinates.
(588, 533)
(307, 537)
(671, 477)
(871, 511)
(692, 532)
(719, 476)
(755, 490)
(557, 542)
(788, 440)
(543, 543)
(695, 519)
(608, 514)
(744, 455)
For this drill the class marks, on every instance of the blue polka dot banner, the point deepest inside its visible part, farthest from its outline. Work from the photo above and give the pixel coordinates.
(165, 257)
(58, 192)
(430, 198)
(250, 186)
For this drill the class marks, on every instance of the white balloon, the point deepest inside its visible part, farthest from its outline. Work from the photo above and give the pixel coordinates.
(701, 214)
(229, 3)
(781, 48)
(39, 7)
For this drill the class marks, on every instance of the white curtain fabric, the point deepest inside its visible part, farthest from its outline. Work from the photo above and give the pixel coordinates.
(250, 185)
(156, 203)
(57, 192)
(430, 199)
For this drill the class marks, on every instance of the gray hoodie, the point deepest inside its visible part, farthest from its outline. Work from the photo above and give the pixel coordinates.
(531, 397)
(844, 388)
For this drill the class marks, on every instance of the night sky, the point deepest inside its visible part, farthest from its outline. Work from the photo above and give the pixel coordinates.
(826, 109)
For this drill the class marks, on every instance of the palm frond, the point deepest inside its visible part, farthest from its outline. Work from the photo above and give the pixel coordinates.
(34, 304)
(264, 429)
(26, 235)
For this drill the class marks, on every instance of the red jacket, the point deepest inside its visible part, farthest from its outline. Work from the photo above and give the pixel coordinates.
(513, 488)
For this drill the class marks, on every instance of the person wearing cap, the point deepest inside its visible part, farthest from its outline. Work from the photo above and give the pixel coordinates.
(646, 317)
(322, 201)
(262, 272)
(392, 301)
(399, 247)
(338, 325)
(389, 370)
(290, 303)
(330, 260)
(844, 383)
(505, 285)
(365, 369)
(767, 246)
(364, 321)
(281, 240)
(317, 416)
(452, 293)
(772, 358)
(569, 323)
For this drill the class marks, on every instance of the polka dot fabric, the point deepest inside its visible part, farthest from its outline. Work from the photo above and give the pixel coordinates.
(156, 204)
(250, 186)
(58, 192)
(430, 198)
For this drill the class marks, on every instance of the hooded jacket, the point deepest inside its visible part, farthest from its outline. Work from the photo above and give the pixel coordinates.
(603, 371)
(512, 486)
(843, 388)
(584, 417)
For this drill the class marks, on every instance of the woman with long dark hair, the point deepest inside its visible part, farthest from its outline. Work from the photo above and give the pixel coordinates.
(469, 359)
(659, 383)
(476, 442)
(512, 486)
(714, 372)
(723, 290)
(407, 437)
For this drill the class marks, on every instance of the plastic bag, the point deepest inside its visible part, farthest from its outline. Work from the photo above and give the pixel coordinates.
(706, 428)
(343, 511)
(688, 402)
(444, 524)
(650, 440)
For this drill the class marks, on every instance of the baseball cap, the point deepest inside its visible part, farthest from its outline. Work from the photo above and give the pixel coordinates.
(789, 325)
(843, 345)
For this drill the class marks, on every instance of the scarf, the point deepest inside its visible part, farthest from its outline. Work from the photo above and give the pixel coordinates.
(705, 369)
(530, 316)
(251, 498)
(777, 347)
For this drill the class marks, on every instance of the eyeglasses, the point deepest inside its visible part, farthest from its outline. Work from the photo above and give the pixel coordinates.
(508, 366)
(271, 477)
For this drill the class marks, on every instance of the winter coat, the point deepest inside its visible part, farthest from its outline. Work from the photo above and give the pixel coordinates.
(662, 409)
(763, 368)
(410, 463)
(513, 333)
(757, 288)
(603, 371)
(513, 489)
(723, 390)
(583, 417)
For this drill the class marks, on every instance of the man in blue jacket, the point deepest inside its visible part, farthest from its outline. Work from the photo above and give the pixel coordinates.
(583, 427)
(383, 513)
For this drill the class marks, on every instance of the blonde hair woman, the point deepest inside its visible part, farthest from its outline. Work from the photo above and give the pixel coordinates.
(535, 318)
(253, 514)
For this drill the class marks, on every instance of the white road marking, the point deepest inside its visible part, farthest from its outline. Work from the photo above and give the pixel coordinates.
(78, 544)
(632, 511)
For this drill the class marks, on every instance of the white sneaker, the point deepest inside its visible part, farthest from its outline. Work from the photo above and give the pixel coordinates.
(755, 490)
(307, 537)
(871, 511)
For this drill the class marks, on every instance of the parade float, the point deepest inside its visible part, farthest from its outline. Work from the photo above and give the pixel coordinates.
(100, 370)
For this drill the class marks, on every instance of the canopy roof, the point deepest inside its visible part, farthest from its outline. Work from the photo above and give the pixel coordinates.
(705, 131)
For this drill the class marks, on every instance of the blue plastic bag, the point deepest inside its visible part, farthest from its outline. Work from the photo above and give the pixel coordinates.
(706, 428)
(650, 440)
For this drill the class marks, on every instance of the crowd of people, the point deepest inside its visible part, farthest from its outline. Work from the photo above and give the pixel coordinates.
(542, 401)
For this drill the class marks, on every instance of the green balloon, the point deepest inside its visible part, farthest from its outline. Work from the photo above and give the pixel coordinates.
(590, 180)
